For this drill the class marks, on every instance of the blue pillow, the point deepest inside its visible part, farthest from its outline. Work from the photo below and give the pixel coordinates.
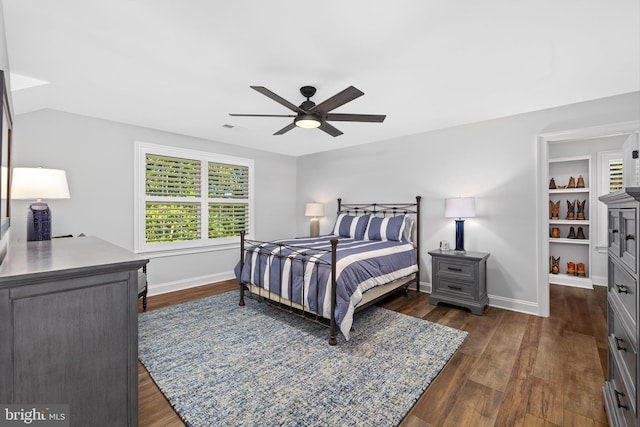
(387, 228)
(350, 226)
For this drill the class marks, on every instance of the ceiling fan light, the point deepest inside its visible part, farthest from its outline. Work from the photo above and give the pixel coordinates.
(307, 121)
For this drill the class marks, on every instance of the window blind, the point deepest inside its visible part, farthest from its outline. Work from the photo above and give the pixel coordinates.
(194, 199)
(615, 175)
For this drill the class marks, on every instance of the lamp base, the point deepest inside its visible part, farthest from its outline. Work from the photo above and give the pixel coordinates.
(460, 236)
(314, 230)
(38, 222)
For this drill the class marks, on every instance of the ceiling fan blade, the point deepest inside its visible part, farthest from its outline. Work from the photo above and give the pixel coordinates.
(330, 129)
(285, 129)
(262, 115)
(374, 118)
(280, 100)
(340, 98)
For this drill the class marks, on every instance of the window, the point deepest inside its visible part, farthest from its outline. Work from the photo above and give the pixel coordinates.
(615, 174)
(189, 199)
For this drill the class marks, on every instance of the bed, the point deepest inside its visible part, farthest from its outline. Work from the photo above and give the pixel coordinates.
(373, 251)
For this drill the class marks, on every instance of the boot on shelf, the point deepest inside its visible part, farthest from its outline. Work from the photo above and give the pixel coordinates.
(552, 184)
(580, 233)
(555, 232)
(554, 265)
(571, 269)
(580, 268)
(571, 210)
(554, 209)
(572, 233)
(580, 182)
(580, 206)
(572, 183)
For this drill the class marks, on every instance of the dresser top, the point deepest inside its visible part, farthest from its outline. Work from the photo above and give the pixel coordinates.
(64, 257)
(476, 256)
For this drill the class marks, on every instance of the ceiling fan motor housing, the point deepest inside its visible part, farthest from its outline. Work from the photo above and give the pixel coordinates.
(308, 91)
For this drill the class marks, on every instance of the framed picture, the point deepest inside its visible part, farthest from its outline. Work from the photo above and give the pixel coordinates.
(6, 124)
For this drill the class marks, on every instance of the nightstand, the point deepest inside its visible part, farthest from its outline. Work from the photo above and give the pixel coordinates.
(459, 279)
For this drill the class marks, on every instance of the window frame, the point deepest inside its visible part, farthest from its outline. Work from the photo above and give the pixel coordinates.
(204, 243)
(604, 186)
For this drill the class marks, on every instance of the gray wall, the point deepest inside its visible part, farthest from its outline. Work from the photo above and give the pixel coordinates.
(494, 161)
(98, 158)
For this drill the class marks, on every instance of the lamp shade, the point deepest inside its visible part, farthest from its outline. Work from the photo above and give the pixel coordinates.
(314, 209)
(460, 207)
(39, 183)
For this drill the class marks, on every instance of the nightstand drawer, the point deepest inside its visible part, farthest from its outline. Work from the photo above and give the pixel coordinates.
(456, 288)
(625, 289)
(458, 269)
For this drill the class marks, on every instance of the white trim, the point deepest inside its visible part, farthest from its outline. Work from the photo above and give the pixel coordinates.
(425, 287)
(603, 159)
(542, 247)
(140, 150)
(178, 285)
(512, 304)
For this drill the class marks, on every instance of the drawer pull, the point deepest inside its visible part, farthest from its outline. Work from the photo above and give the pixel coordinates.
(454, 269)
(630, 237)
(457, 288)
(614, 231)
(622, 289)
(620, 405)
(618, 346)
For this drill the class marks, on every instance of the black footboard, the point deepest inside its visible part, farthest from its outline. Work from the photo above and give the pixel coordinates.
(268, 251)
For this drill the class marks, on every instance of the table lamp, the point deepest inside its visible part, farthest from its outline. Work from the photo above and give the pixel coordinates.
(460, 207)
(315, 210)
(39, 183)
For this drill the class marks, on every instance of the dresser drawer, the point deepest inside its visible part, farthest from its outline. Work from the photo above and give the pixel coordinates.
(458, 269)
(623, 401)
(455, 288)
(625, 288)
(622, 349)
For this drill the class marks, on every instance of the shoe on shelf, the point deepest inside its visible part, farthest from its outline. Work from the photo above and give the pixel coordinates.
(580, 233)
(572, 233)
(571, 269)
(580, 270)
(552, 184)
(580, 182)
(571, 210)
(572, 183)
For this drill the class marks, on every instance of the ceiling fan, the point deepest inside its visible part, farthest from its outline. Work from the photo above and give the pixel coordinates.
(309, 115)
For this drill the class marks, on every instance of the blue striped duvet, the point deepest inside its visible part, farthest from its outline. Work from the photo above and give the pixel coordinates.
(360, 266)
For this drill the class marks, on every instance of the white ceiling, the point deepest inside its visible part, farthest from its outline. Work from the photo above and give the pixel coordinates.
(183, 66)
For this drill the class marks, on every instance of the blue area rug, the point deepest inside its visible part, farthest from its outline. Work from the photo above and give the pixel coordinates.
(224, 365)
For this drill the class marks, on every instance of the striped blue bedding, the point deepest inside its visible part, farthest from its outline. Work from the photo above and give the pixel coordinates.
(360, 266)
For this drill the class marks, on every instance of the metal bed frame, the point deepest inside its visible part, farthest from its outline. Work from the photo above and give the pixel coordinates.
(369, 298)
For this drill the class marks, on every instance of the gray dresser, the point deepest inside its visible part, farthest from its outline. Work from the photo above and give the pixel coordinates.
(459, 279)
(620, 390)
(69, 329)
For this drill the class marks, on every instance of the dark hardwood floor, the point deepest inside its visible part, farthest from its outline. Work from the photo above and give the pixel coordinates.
(512, 370)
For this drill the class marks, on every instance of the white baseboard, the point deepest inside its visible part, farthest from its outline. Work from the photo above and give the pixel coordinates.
(494, 301)
(521, 306)
(600, 280)
(424, 287)
(178, 285)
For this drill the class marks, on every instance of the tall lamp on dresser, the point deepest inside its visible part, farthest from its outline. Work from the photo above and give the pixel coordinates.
(621, 388)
